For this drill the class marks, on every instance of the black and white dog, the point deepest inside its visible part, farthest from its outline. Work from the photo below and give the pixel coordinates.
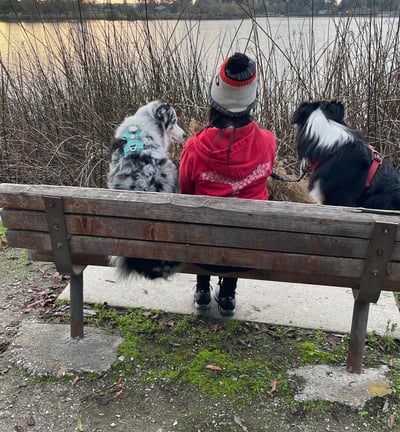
(140, 162)
(344, 170)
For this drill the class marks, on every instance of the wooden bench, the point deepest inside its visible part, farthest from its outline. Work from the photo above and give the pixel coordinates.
(280, 241)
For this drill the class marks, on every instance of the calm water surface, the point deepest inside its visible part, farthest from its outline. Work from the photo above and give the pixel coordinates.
(279, 37)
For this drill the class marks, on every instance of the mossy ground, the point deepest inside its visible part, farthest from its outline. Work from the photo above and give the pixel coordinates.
(224, 364)
(239, 362)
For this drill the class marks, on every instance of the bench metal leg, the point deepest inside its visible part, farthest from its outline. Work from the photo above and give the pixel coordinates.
(76, 299)
(357, 336)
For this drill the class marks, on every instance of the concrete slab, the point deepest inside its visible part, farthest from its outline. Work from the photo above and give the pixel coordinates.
(287, 304)
(334, 384)
(48, 350)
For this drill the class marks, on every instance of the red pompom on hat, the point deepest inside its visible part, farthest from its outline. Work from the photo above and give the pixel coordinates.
(233, 90)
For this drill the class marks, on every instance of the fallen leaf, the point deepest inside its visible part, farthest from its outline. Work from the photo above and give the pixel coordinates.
(103, 399)
(116, 388)
(118, 392)
(57, 276)
(35, 303)
(273, 385)
(30, 421)
(75, 380)
(334, 340)
(79, 426)
(391, 421)
(123, 395)
(213, 367)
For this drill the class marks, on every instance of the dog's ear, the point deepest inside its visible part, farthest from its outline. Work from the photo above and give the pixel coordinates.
(162, 111)
(303, 112)
(336, 110)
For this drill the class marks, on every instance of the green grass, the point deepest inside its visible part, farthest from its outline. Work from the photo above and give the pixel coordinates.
(3, 239)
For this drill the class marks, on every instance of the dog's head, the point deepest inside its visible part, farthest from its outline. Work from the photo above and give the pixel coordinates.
(168, 122)
(320, 128)
(331, 110)
(156, 123)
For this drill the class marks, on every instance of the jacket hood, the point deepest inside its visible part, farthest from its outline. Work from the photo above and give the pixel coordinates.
(232, 152)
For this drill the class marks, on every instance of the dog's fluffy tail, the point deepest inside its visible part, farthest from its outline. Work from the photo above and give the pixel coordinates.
(147, 268)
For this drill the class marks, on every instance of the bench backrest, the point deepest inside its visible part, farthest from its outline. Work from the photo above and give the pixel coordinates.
(281, 241)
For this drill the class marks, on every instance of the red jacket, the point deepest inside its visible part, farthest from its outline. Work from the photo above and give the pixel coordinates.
(227, 162)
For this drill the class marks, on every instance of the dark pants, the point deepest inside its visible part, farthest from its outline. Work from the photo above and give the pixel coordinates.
(228, 285)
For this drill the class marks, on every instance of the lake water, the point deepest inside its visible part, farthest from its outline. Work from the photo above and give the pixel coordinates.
(275, 38)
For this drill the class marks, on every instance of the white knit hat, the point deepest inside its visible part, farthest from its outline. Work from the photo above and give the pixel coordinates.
(233, 90)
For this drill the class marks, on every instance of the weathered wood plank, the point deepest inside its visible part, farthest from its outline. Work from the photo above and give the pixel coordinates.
(192, 233)
(222, 256)
(184, 208)
(272, 275)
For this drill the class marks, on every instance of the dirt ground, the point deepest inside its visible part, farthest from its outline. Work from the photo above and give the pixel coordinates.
(106, 403)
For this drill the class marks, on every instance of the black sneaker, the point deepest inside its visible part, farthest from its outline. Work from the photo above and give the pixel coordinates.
(226, 305)
(202, 298)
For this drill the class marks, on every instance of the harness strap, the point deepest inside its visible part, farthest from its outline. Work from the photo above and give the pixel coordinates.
(376, 158)
(376, 162)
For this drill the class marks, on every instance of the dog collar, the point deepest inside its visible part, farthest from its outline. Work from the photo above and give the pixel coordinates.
(376, 162)
(133, 142)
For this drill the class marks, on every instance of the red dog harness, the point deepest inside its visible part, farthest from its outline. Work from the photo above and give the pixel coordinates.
(377, 160)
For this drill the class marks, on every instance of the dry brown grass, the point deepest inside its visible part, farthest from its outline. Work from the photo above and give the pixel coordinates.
(59, 106)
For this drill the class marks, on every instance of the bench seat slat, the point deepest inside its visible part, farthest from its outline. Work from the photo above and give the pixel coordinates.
(272, 275)
(196, 254)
